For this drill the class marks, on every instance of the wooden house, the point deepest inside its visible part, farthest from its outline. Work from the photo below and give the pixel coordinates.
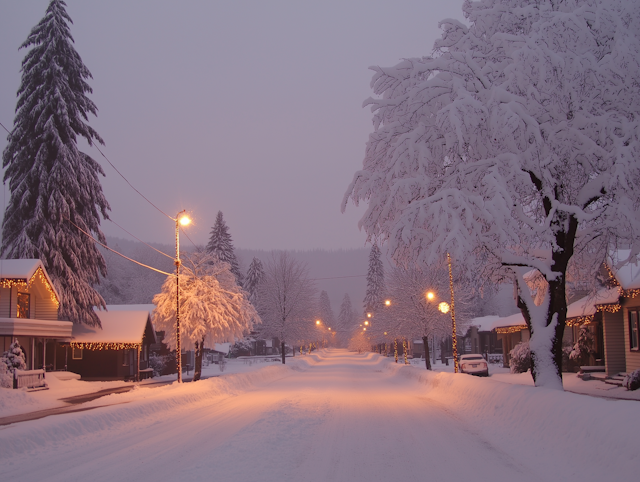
(29, 313)
(120, 350)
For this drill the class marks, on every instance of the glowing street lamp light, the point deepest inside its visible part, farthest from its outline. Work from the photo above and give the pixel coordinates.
(318, 322)
(181, 220)
(443, 307)
(387, 302)
(430, 295)
(366, 323)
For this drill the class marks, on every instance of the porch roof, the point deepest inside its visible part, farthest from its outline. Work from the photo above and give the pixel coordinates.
(57, 329)
(120, 324)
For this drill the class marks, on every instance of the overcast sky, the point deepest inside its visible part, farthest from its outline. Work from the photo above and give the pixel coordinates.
(253, 108)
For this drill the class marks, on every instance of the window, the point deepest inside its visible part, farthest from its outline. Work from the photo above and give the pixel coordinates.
(76, 353)
(633, 329)
(22, 310)
(125, 358)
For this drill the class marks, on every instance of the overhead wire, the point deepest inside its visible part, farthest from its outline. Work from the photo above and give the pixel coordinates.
(116, 252)
(147, 244)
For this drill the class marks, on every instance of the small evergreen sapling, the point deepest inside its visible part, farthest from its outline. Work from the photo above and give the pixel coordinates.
(14, 357)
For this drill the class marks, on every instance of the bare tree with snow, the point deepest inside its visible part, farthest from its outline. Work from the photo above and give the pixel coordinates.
(212, 306)
(286, 300)
(516, 143)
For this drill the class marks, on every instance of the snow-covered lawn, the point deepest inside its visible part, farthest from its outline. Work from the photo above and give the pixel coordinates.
(63, 385)
(332, 416)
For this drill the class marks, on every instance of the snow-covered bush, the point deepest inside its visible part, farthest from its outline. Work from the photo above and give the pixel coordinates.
(157, 362)
(6, 378)
(14, 357)
(632, 380)
(583, 347)
(240, 348)
(359, 343)
(520, 358)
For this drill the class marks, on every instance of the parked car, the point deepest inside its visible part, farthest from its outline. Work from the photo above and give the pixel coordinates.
(474, 364)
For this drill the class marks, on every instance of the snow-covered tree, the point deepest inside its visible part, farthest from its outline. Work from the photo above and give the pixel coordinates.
(515, 144)
(54, 186)
(374, 296)
(346, 319)
(414, 314)
(14, 357)
(286, 300)
(221, 245)
(325, 313)
(255, 275)
(213, 307)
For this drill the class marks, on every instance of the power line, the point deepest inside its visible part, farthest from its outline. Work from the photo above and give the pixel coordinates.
(340, 277)
(116, 252)
(133, 236)
(8, 131)
(131, 185)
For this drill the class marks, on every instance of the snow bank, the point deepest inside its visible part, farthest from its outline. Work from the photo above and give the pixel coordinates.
(143, 407)
(539, 422)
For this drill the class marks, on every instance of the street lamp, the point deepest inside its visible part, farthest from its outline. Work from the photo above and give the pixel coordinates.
(181, 220)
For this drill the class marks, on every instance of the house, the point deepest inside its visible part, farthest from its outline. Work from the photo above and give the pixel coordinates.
(510, 331)
(120, 350)
(480, 337)
(620, 320)
(29, 313)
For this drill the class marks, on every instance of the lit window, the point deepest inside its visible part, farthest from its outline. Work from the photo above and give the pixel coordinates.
(633, 330)
(23, 305)
(76, 353)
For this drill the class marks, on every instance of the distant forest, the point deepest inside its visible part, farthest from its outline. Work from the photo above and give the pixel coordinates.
(129, 283)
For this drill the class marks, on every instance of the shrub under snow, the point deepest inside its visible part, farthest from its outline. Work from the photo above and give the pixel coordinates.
(520, 358)
(632, 380)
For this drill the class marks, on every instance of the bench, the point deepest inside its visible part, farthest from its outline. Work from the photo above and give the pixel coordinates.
(29, 379)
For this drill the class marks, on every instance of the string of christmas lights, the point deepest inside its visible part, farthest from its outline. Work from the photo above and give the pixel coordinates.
(404, 349)
(454, 337)
(98, 346)
(22, 283)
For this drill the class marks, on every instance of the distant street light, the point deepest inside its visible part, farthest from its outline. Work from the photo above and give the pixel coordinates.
(181, 220)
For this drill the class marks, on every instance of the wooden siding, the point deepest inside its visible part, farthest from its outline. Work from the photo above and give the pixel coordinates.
(614, 347)
(5, 302)
(632, 356)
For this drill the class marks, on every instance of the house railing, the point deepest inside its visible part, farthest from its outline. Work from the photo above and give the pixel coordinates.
(31, 379)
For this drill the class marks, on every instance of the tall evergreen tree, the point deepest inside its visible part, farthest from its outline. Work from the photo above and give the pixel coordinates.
(51, 181)
(373, 298)
(255, 275)
(326, 312)
(221, 245)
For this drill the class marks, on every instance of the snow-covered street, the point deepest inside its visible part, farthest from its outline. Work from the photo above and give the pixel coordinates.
(332, 416)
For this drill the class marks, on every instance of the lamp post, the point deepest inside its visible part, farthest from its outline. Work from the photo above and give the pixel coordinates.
(181, 220)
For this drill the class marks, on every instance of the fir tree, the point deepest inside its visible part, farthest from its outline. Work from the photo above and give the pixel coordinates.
(52, 183)
(221, 245)
(326, 312)
(346, 317)
(373, 298)
(14, 357)
(255, 275)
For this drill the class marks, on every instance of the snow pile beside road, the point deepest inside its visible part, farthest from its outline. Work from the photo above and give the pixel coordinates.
(143, 407)
(528, 419)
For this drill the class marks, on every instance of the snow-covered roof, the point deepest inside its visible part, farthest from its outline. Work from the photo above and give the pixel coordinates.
(512, 320)
(23, 269)
(222, 347)
(484, 323)
(119, 325)
(587, 306)
(628, 275)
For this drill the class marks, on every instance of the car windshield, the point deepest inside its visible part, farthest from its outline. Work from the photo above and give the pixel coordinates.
(473, 358)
